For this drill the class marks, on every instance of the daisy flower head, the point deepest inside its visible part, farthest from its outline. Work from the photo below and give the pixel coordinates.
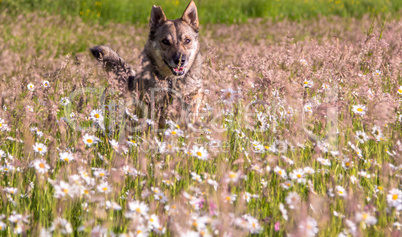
(341, 191)
(96, 115)
(309, 227)
(308, 83)
(303, 62)
(233, 176)
(287, 184)
(66, 156)
(281, 172)
(293, 200)
(40, 148)
(324, 161)
(361, 136)
(377, 73)
(298, 175)
(104, 187)
(90, 140)
(41, 166)
(366, 217)
(399, 91)
(64, 101)
(46, 84)
(138, 207)
(394, 198)
(31, 87)
(228, 95)
(10, 190)
(359, 109)
(199, 152)
(307, 108)
(3, 125)
(114, 144)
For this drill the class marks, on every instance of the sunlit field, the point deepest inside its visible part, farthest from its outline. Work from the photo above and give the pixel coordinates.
(299, 134)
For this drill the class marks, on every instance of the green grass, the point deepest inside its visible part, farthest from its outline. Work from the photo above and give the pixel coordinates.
(210, 11)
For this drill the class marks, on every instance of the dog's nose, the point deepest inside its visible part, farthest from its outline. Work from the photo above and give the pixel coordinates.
(179, 59)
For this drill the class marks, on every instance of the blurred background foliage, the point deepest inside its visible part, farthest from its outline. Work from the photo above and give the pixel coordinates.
(210, 11)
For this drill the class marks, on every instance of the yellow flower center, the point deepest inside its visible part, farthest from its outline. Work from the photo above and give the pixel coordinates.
(1, 125)
(199, 153)
(65, 190)
(195, 224)
(400, 91)
(232, 175)
(173, 132)
(288, 184)
(228, 198)
(299, 176)
(280, 172)
(96, 115)
(151, 220)
(104, 189)
(138, 210)
(41, 165)
(365, 216)
(360, 109)
(39, 149)
(101, 174)
(379, 188)
(341, 192)
(306, 82)
(66, 159)
(89, 140)
(395, 197)
(347, 164)
(139, 231)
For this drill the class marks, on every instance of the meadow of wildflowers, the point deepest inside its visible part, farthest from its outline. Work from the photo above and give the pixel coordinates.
(300, 134)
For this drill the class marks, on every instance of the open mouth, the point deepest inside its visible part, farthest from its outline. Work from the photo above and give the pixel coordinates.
(177, 71)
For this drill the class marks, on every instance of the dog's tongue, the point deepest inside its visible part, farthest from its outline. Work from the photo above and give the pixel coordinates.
(178, 69)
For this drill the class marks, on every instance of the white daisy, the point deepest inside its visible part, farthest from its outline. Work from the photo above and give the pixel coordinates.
(359, 109)
(66, 156)
(199, 152)
(40, 148)
(90, 140)
(31, 87)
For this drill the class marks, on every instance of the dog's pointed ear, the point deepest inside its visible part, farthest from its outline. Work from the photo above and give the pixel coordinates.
(190, 15)
(157, 17)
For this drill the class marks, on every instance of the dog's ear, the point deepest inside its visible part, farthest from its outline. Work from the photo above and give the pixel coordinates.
(190, 15)
(157, 17)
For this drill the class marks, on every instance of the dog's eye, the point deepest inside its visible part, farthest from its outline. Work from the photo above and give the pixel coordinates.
(187, 41)
(165, 42)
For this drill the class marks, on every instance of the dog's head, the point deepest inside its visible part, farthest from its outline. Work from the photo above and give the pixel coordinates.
(173, 44)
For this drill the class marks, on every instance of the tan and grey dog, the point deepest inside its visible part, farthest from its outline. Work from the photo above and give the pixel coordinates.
(171, 66)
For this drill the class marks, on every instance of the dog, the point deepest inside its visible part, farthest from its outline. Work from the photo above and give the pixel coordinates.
(171, 65)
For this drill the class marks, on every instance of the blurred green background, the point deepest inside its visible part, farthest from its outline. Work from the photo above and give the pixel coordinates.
(210, 11)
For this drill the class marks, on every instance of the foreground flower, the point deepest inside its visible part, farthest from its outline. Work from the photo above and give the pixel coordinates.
(293, 200)
(31, 87)
(341, 191)
(96, 116)
(359, 109)
(298, 175)
(66, 156)
(366, 218)
(361, 136)
(138, 207)
(40, 148)
(200, 152)
(308, 84)
(89, 140)
(64, 101)
(399, 91)
(46, 84)
(309, 227)
(281, 172)
(104, 187)
(3, 126)
(41, 166)
(394, 198)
